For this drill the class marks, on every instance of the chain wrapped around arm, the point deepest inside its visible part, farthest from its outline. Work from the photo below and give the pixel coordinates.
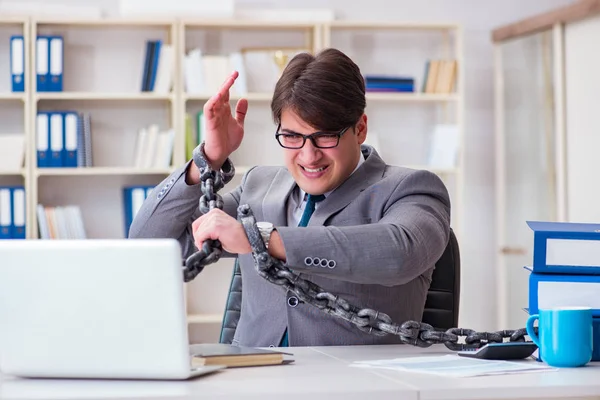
(211, 182)
(367, 320)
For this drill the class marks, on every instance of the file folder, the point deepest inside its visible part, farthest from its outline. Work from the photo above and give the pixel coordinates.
(5, 213)
(17, 63)
(42, 139)
(56, 139)
(560, 290)
(56, 63)
(71, 139)
(133, 198)
(18, 216)
(566, 247)
(42, 64)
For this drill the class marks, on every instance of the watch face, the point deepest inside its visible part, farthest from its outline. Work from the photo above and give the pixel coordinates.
(261, 225)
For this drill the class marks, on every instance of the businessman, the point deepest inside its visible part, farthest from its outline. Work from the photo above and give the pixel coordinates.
(336, 213)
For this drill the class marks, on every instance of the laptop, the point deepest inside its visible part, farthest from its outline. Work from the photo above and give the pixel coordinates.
(97, 308)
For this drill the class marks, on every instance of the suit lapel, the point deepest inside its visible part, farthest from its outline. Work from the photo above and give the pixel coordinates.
(368, 173)
(274, 205)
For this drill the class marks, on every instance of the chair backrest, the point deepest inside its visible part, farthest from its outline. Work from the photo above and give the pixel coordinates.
(441, 306)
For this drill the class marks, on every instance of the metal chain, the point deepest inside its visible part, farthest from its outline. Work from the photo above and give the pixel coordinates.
(210, 183)
(367, 320)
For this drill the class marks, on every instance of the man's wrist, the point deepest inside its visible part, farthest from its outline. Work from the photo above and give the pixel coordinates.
(204, 165)
(276, 248)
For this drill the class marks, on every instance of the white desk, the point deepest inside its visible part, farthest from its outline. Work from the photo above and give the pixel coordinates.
(322, 373)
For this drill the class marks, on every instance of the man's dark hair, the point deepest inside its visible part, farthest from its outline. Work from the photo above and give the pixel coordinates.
(327, 90)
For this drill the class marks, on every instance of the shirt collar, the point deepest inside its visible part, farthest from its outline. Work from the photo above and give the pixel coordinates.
(361, 160)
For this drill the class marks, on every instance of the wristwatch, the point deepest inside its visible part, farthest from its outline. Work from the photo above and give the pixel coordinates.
(265, 229)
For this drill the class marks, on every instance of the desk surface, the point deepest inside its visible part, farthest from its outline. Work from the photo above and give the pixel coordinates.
(323, 372)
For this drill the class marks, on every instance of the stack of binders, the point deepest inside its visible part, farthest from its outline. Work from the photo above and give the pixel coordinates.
(49, 63)
(12, 212)
(63, 139)
(566, 269)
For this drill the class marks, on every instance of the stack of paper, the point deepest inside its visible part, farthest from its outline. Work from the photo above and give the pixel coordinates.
(455, 366)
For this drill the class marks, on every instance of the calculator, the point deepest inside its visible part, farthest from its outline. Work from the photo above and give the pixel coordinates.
(501, 351)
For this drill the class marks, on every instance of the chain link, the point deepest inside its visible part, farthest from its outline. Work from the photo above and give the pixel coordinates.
(367, 320)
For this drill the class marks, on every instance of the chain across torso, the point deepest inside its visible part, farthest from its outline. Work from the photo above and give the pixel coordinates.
(367, 320)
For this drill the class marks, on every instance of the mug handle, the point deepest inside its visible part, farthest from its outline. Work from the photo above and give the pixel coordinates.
(530, 331)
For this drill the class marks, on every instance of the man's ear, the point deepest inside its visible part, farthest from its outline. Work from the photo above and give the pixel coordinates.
(361, 129)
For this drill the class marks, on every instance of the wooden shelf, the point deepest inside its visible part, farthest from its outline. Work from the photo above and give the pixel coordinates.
(408, 97)
(105, 22)
(20, 172)
(134, 96)
(245, 24)
(372, 96)
(100, 171)
(390, 25)
(437, 171)
(7, 20)
(248, 96)
(205, 318)
(13, 96)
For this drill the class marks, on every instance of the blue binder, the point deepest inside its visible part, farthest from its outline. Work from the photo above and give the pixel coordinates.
(70, 139)
(566, 247)
(55, 138)
(5, 213)
(133, 197)
(42, 61)
(154, 65)
(18, 212)
(43, 139)
(17, 63)
(563, 290)
(56, 64)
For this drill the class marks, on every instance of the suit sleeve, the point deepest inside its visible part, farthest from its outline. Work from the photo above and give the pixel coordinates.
(172, 206)
(407, 241)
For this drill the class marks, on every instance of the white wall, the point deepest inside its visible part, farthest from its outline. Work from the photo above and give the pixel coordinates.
(478, 18)
(582, 85)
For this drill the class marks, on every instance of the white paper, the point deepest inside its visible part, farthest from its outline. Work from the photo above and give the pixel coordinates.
(455, 366)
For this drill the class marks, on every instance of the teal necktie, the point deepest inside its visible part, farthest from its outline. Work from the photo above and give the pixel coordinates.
(308, 211)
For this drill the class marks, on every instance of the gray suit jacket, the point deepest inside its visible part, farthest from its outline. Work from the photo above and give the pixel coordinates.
(383, 230)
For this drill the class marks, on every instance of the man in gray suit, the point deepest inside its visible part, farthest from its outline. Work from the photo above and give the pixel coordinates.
(376, 230)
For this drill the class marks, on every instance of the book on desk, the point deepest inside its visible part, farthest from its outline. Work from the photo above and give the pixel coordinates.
(235, 356)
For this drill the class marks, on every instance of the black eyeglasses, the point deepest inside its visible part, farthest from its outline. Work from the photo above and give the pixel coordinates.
(321, 140)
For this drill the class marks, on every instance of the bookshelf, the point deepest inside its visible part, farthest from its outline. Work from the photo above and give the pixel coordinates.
(14, 108)
(403, 122)
(118, 108)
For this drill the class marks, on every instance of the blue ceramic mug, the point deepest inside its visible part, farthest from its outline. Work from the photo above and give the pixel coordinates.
(565, 335)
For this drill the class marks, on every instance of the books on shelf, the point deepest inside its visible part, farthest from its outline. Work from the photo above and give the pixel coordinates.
(154, 148)
(440, 76)
(63, 222)
(204, 74)
(63, 139)
(133, 198)
(235, 356)
(12, 212)
(389, 83)
(193, 137)
(12, 151)
(159, 67)
(49, 63)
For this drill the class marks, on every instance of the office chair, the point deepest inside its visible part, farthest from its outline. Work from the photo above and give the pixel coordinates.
(441, 305)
